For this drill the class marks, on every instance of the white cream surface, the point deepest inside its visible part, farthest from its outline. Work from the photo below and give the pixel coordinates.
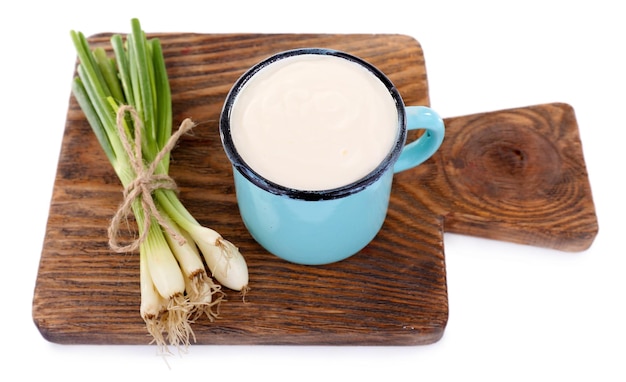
(314, 122)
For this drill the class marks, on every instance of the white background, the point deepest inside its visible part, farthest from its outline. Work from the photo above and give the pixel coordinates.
(517, 313)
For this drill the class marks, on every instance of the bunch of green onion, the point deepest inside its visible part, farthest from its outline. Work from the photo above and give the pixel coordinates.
(127, 102)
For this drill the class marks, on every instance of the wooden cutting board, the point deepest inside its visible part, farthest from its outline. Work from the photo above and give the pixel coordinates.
(516, 175)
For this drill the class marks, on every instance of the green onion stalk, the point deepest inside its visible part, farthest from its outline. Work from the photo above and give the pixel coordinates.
(126, 100)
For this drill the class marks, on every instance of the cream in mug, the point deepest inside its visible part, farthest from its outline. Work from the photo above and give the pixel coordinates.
(314, 122)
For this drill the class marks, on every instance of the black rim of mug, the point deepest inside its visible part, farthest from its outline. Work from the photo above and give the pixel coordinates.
(311, 195)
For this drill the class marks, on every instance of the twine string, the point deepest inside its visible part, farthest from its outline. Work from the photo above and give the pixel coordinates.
(144, 183)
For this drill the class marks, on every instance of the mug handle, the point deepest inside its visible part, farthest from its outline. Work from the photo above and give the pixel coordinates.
(413, 154)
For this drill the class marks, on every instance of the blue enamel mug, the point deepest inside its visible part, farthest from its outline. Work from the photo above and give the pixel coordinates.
(316, 227)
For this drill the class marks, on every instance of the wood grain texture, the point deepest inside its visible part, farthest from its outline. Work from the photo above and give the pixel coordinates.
(518, 175)
(393, 292)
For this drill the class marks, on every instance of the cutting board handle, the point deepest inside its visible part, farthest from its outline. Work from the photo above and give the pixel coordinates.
(517, 175)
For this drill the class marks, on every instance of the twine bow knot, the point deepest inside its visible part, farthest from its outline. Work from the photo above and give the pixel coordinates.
(146, 181)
